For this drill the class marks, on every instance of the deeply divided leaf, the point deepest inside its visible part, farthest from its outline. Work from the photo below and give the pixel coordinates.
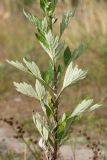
(26, 89)
(33, 68)
(73, 74)
(85, 105)
(41, 125)
(18, 65)
(72, 55)
(50, 43)
(78, 51)
(82, 107)
(65, 21)
(32, 18)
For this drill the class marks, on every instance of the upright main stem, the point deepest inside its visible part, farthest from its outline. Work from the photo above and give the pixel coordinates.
(56, 103)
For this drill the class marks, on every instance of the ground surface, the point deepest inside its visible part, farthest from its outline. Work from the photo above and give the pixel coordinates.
(7, 142)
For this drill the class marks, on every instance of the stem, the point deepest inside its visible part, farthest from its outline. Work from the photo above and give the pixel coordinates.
(56, 103)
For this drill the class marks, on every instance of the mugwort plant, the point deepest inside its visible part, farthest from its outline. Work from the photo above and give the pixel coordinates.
(53, 128)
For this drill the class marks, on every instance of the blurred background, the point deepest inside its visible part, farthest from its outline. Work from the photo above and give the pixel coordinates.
(17, 40)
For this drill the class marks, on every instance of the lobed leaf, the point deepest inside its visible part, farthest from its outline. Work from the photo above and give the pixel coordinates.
(48, 6)
(43, 4)
(85, 105)
(72, 75)
(48, 75)
(64, 124)
(33, 68)
(51, 44)
(82, 107)
(65, 21)
(18, 65)
(78, 51)
(32, 18)
(26, 89)
(73, 55)
(94, 107)
(41, 25)
(41, 126)
(40, 90)
(67, 119)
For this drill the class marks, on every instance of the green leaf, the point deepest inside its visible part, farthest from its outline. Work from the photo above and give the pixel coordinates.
(65, 21)
(41, 25)
(67, 119)
(67, 56)
(43, 41)
(41, 125)
(46, 109)
(33, 68)
(47, 105)
(73, 75)
(59, 72)
(40, 90)
(77, 52)
(32, 18)
(48, 6)
(63, 124)
(51, 44)
(43, 4)
(96, 106)
(85, 105)
(18, 65)
(26, 89)
(73, 55)
(82, 107)
(52, 5)
(48, 75)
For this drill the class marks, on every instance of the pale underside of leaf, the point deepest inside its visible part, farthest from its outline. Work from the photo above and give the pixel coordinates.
(33, 68)
(96, 106)
(40, 90)
(73, 74)
(85, 105)
(18, 65)
(26, 89)
(31, 18)
(41, 126)
(65, 21)
(53, 47)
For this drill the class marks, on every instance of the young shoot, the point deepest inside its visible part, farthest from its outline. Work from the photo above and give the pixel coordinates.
(53, 128)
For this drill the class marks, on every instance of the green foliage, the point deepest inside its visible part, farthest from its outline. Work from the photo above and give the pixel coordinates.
(73, 55)
(51, 44)
(52, 128)
(48, 75)
(41, 125)
(67, 56)
(73, 74)
(65, 21)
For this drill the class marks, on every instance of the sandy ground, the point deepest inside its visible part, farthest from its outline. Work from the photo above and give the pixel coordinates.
(7, 142)
(18, 106)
